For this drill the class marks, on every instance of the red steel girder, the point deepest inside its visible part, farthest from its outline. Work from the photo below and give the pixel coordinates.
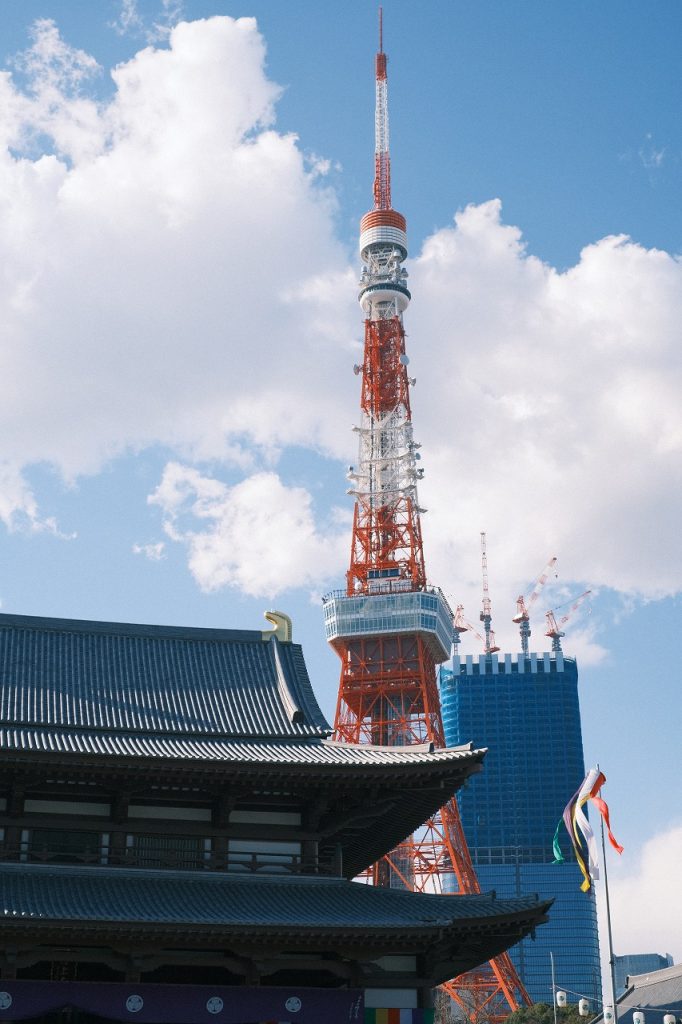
(384, 370)
(388, 694)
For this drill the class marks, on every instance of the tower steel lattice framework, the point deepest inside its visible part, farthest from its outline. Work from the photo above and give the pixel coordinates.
(389, 628)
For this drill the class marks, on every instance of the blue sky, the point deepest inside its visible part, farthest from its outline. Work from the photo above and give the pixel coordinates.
(179, 325)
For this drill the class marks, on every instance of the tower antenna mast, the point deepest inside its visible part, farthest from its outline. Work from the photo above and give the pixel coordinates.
(382, 158)
(389, 628)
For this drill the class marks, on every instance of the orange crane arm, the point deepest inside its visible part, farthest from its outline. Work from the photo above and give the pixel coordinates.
(523, 604)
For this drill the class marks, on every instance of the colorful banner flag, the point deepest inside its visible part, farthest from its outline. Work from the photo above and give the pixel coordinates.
(580, 831)
(395, 1016)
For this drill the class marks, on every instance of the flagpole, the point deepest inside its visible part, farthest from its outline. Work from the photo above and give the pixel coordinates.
(551, 958)
(612, 961)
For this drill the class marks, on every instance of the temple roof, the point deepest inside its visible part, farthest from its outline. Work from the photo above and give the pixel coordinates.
(62, 673)
(657, 991)
(103, 690)
(64, 892)
(47, 899)
(100, 704)
(321, 752)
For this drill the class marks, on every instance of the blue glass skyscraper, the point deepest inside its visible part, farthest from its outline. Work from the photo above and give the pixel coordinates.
(638, 963)
(525, 710)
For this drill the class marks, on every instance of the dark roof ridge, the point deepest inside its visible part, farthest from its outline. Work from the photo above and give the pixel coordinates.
(152, 630)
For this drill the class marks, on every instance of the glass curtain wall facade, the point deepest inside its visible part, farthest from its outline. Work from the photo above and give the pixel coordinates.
(638, 963)
(526, 712)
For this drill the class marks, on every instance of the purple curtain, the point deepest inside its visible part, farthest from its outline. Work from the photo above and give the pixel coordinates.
(181, 1004)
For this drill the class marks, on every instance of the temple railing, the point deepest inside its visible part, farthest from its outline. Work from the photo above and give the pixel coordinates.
(242, 863)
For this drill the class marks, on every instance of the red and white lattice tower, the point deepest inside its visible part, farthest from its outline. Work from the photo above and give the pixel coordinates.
(388, 627)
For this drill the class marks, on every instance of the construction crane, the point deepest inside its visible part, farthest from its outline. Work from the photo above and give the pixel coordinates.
(459, 626)
(524, 605)
(486, 613)
(554, 628)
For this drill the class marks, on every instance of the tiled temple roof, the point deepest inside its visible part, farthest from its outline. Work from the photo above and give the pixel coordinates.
(99, 689)
(52, 903)
(91, 703)
(311, 752)
(62, 892)
(656, 993)
(60, 673)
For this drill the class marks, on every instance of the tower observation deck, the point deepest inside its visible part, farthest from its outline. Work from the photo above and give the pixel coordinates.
(389, 627)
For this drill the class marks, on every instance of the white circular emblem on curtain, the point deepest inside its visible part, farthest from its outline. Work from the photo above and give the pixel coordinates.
(134, 1004)
(215, 1004)
(293, 1004)
(5, 1000)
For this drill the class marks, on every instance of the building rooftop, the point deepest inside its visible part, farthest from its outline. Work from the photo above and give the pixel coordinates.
(162, 692)
(657, 990)
(217, 710)
(316, 752)
(160, 680)
(49, 901)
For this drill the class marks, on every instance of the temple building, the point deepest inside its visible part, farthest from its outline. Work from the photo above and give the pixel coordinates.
(179, 833)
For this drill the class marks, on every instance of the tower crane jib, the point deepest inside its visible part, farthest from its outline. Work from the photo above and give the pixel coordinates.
(524, 605)
(554, 630)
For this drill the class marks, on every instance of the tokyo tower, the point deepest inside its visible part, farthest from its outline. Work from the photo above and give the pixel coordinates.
(389, 628)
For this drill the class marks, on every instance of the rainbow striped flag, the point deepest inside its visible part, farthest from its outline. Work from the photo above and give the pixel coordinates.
(581, 832)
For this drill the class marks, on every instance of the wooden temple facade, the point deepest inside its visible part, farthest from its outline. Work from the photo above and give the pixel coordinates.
(178, 835)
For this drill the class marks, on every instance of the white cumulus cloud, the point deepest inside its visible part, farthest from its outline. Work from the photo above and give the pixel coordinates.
(149, 254)
(548, 407)
(258, 535)
(170, 274)
(646, 898)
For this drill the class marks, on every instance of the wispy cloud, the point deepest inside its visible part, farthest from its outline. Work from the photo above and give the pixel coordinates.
(128, 20)
(153, 29)
(650, 155)
(19, 510)
(153, 552)
(51, 65)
